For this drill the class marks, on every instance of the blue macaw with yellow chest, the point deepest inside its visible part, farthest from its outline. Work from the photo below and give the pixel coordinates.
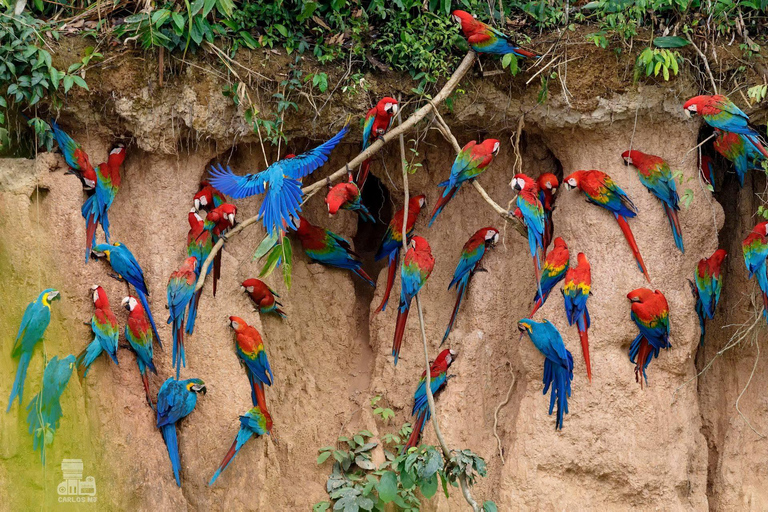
(254, 422)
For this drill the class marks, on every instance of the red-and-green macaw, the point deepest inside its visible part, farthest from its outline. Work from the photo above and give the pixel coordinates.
(76, 157)
(438, 377)
(250, 350)
(601, 190)
(471, 161)
(483, 38)
(576, 291)
(139, 336)
(707, 170)
(547, 183)
(740, 150)
(657, 177)
(180, 292)
(346, 196)
(326, 247)
(721, 113)
(706, 287)
(755, 247)
(105, 332)
(532, 212)
(217, 223)
(263, 297)
(199, 245)
(377, 122)
(552, 272)
(207, 198)
(650, 312)
(95, 210)
(393, 242)
(254, 422)
(469, 262)
(417, 266)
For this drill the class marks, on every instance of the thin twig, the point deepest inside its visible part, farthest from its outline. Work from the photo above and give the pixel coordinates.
(496, 418)
(706, 65)
(685, 156)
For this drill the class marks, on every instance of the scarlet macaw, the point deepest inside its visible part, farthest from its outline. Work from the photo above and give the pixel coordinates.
(755, 248)
(377, 122)
(486, 39)
(250, 350)
(217, 223)
(417, 266)
(255, 421)
(737, 148)
(471, 161)
(706, 287)
(105, 332)
(393, 242)
(262, 296)
(576, 291)
(469, 262)
(547, 183)
(346, 196)
(35, 321)
(139, 336)
(555, 267)
(657, 177)
(558, 363)
(180, 292)
(279, 182)
(601, 190)
(532, 212)
(650, 312)
(176, 400)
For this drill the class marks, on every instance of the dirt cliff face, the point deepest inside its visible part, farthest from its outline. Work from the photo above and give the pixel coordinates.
(672, 445)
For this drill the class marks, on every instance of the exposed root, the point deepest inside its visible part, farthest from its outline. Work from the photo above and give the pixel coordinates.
(496, 416)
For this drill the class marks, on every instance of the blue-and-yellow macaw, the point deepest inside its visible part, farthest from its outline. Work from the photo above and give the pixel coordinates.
(254, 422)
(105, 332)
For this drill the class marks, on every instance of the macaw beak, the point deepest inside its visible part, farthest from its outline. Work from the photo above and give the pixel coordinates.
(199, 389)
(242, 288)
(231, 218)
(53, 295)
(197, 204)
(522, 329)
(634, 299)
(126, 303)
(568, 186)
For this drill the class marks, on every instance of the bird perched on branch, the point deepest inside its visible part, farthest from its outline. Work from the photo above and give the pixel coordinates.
(483, 38)
(438, 377)
(346, 196)
(377, 123)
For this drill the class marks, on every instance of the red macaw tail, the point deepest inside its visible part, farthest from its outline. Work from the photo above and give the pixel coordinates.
(90, 235)
(192, 314)
(145, 380)
(624, 225)
(362, 174)
(549, 229)
(758, 145)
(584, 338)
(280, 313)
(216, 270)
(525, 53)
(178, 346)
(674, 223)
(537, 273)
(402, 319)
(642, 355)
(440, 204)
(418, 427)
(536, 305)
(259, 397)
(224, 463)
(459, 297)
(390, 282)
(365, 277)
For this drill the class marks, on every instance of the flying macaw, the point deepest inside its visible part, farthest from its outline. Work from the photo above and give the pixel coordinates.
(657, 177)
(483, 38)
(558, 363)
(471, 161)
(417, 266)
(469, 262)
(377, 122)
(650, 312)
(180, 292)
(601, 190)
(532, 212)
(576, 291)
(35, 321)
(207, 198)
(721, 113)
(95, 210)
(707, 170)
(553, 271)
(254, 422)
(139, 336)
(279, 182)
(199, 245)
(45, 408)
(738, 148)
(706, 287)
(124, 263)
(346, 196)
(438, 377)
(262, 296)
(76, 157)
(217, 223)
(250, 350)
(755, 247)
(176, 400)
(105, 332)
(393, 242)
(547, 183)
(326, 247)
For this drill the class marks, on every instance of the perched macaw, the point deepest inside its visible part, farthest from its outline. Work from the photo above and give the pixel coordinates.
(707, 170)
(377, 122)
(755, 247)
(558, 363)
(176, 400)
(35, 321)
(280, 182)
(657, 177)
(393, 242)
(547, 183)
(721, 113)
(326, 247)
(438, 377)
(254, 422)
(417, 266)
(199, 245)
(124, 263)
(262, 296)
(471, 161)
(532, 212)
(706, 287)
(346, 196)
(469, 262)
(45, 407)
(601, 190)
(650, 312)
(95, 210)
(483, 38)
(76, 157)
(139, 336)
(250, 350)
(207, 198)
(553, 271)
(181, 290)
(576, 291)
(105, 332)
(217, 223)
(740, 150)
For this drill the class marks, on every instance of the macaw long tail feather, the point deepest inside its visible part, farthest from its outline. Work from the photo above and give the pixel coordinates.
(216, 270)
(362, 174)
(418, 428)
(537, 272)
(257, 392)
(365, 214)
(365, 277)
(549, 229)
(624, 225)
(402, 319)
(145, 381)
(169, 436)
(640, 353)
(90, 233)
(242, 437)
(390, 282)
(178, 357)
(21, 375)
(462, 289)
(560, 379)
(145, 305)
(757, 144)
(674, 223)
(192, 313)
(539, 301)
(444, 200)
(581, 325)
(89, 354)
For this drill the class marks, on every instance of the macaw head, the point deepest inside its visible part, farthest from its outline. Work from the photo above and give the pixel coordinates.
(761, 229)
(548, 181)
(101, 250)
(100, 299)
(229, 211)
(640, 295)
(522, 182)
(416, 203)
(491, 236)
(189, 265)
(289, 155)
(581, 259)
(491, 145)
(237, 323)
(560, 243)
(420, 244)
(633, 157)
(116, 156)
(387, 106)
(464, 19)
(304, 226)
(337, 196)
(447, 356)
(525, 326)
(718, 257)
(195, 386)
(696, 104)
(248, 285)
(572, 180)
(47, 296)
(204, 197)
(130, 303)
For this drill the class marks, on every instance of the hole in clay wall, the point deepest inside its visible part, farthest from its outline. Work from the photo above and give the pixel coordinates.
(38, 195)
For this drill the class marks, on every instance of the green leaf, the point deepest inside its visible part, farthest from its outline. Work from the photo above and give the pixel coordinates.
(272, 261)
(287, 261)
(265, 246)
(249, 41)
(364, 463)
(359, 440)
(339, 455)
(159, 16)
(225, 7)
(178, 20)
(280, 28)
(388, 487)
(323, 457)
(55, 78)
(196, 6)
(207, 6)
(68, 82)
(489, 506)
(321, 507)
(429, 487)
(79, 81)
(670, 42)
